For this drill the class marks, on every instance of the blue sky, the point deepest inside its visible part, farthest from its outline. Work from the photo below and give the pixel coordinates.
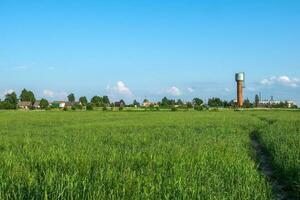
(137, 49)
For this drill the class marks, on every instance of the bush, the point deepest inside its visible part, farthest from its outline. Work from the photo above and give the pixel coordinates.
(104, 108)
(173, 109)
(73, 107)
(65, 109)
(7, 105)
(121, 108)
(89, 107)
(198, 108)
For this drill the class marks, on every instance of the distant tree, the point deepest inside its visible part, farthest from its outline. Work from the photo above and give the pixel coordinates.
(97, 101)
(89, 106)
(122, 102)
(83, 101)
(44, 103)
(71, 97)
(165, 102)
(215, 102)
(197, 101)
(136, 103)
(12, 99)
(106, 100)
(145, 101)
(27, 96)
(179, 102)
(247, 104)
(189, 105)
(256, 100)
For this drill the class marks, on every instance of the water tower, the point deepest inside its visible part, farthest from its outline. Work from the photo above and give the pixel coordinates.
(240, 79)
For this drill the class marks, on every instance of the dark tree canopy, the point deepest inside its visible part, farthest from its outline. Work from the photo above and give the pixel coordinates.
(136, 103)
(44, 103)
(215, 102)
(71, 97)
(197, 101)
(11, 98)
(256, 100)
(27, 96)
(97, 101)
(247, 104)
(106, 100)
(83, 101)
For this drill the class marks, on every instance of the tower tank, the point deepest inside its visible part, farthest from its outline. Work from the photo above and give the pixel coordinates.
(240, 79)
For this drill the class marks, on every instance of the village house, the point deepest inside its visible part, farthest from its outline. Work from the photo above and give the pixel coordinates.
(24, 105)
(36, 105)
(149, 104)
(58, 104)
(119, 104)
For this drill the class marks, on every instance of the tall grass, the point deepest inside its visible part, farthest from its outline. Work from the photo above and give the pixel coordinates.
(280, 136)
(120, 155)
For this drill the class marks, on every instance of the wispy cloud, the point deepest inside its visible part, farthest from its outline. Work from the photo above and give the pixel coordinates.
(281, 80)
(48, 93)
(52, 94)
(21, 67)
(227, 90)
(191, 90)
(8, 91)
(174, 91)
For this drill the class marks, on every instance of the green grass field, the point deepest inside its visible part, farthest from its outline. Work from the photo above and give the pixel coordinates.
(145, 155)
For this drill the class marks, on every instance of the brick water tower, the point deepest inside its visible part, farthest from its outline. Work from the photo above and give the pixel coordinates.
(240, 80)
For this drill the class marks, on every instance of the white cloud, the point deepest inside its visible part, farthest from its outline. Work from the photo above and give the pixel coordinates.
(120, 88)
(8, 91)
(227, 90)
(191, 90)
(251, 89)
(21, 67)
(52, 94)
(48, 93)
(281, 80)
(174, 91)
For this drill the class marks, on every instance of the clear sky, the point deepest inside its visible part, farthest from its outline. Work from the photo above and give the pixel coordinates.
(137, 49)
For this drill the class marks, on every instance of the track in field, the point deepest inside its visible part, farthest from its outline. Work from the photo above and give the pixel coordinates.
(267, 170)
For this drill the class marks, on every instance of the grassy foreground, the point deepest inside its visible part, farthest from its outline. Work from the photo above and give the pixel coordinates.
(140, 155)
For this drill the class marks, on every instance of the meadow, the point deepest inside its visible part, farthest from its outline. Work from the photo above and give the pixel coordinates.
(146, 155)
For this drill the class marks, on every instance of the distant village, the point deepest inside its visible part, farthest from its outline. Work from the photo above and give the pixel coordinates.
(27, 101)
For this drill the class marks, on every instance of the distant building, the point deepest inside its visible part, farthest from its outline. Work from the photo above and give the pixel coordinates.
(148, 104)
(25, 105)
(119, 104)
(36, 105)
(277, 103)
(58, 104)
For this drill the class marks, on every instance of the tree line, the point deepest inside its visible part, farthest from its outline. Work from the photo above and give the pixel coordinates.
(11, 102)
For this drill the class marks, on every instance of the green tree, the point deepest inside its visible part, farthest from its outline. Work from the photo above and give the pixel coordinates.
(247, 104)
(27, 95)
(89, 106)
(97, 101)
(179, 102)
(106, 100)
(136, 103)
(256, 100)
(83, 101)
(122, 103)
(44, 103)
(11, 98)
(197, 102)
(71, 97)
(215, 102)
(165, 102)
